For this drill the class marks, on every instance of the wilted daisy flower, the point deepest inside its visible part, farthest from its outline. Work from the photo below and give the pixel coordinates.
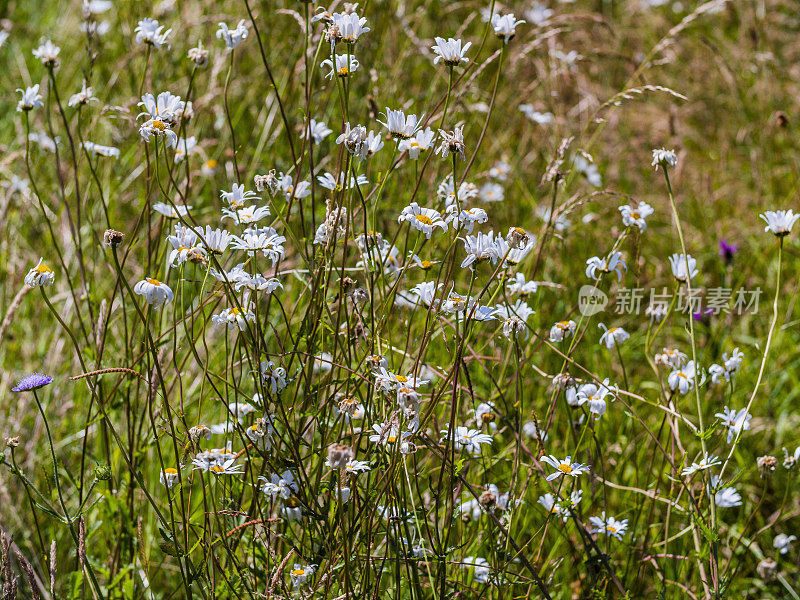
(479, 248)
(171, 212)
(31, 382)
(47, 53)
(99, 150)
(609, 525)
(199, 431)
(679, 264)
(467, 217)
(233, 318)
(514, 318)
(682, 379)
(735, 420)
(169, 477)
(198, 55)
(635, 216)
(422, 219)
(232, 37)
(790, 460)
(346, 27)
(39, 276)
(450, 51)
(452, 143)
(671, 357)
(319, 131)
(564, 467)
(345, 65)
(706, 462)
(782, 542)
(505, 26)
(273, 375)
(780, 222)
(613, 337)
(155, 292)
(83, 97)
(148, 31)
(562, 330)
(595, 266)
(30, 99)
(157, 128)
(663, 158)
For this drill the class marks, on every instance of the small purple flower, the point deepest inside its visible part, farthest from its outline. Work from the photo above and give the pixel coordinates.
(704, 316)
(34, 381)
(726, 251)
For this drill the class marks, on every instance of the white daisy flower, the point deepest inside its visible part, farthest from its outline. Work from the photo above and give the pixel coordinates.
(663, 158)
(564, 467)
(505, 26)
(40, 276)
(596, 266)
(30, 100)
(233, 318)
(148, 31)
(682, 379)
(613, 337)
(171, 212)
(98, 150)
(706, 462)
(635, 216)
(679, 264)
(345, 65)
(319, 131)
(450, 51)
(420, 142)
(47, 53)
(609, 525)
(562, 330)
(155, 292)
(422, 219)
(780, 222)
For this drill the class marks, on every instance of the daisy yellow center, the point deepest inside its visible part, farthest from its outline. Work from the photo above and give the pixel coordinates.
(298, 572)
(159, 125)
(611, 529)
(211, 164)
(391, 439)
(236, 311)
(43, 269)
(635, 215)
(424, 219)
(565, 468)
(152, 281)
(216, 469)
(564, 325)
(426, 264)
(414, 144)
(171, 471)
(343, 71)
(402, 378)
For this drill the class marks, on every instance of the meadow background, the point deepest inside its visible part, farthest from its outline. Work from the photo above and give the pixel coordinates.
(716, 82)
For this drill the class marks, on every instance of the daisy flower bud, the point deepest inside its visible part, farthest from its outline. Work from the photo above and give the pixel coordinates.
(664, 158)
(40, 275)
(198, 55)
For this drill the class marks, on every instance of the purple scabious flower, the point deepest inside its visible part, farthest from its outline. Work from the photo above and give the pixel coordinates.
(726, 251)
(34, 381)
